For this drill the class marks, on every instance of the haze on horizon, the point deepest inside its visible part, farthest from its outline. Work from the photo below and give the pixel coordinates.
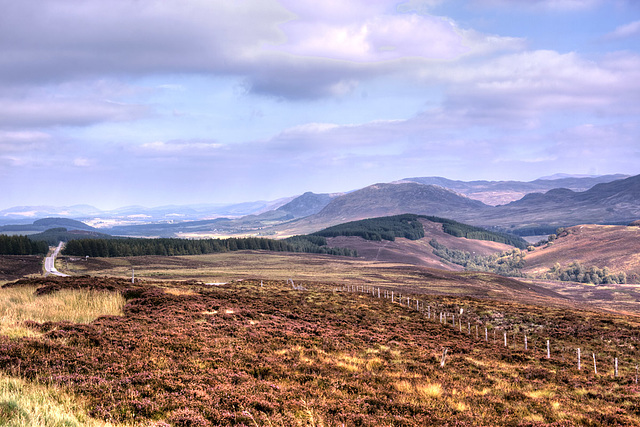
(157, 102)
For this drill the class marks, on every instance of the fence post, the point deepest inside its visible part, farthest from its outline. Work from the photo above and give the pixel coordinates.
(595, 368)
(444, 355)
(548, 351)
(486, 335)
(469, 329)
(578, 359)
(525, 343)
(616, 367)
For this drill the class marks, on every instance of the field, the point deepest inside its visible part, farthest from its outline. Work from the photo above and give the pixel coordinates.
(254, 351)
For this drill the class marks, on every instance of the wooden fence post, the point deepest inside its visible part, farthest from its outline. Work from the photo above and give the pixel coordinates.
(486, 335)
(548, 351)
(616, 368)
(578, 359)
(525, 343)
(505, 338)
(444, 356)
(595, 368)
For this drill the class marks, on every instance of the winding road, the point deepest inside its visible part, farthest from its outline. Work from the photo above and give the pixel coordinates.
(50, 263)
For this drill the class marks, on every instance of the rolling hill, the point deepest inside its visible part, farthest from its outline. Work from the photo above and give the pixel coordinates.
(614, 247)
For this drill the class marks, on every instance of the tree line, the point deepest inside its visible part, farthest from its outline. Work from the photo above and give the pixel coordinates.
(459, 229)
(509, 263)
(21, 245)
(377, 229)
(171, 246)
(576, 272)
(409, 226)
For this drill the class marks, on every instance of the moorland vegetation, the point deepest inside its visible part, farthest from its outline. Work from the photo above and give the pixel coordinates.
(261, 353)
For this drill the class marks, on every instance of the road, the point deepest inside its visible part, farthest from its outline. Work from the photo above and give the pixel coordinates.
(50, 263)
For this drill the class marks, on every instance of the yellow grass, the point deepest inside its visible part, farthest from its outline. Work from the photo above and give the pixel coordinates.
(72, 305)
(28, 405)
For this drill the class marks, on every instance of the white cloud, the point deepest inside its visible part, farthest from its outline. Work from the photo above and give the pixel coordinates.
(553, 5)
(42, 112)
(631, 29)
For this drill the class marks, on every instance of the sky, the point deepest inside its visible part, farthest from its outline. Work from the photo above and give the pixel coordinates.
(158, 102)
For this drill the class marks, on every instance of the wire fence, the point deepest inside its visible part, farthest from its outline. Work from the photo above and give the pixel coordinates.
(587, 356)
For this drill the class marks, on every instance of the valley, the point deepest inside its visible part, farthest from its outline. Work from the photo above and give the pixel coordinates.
(414, 328)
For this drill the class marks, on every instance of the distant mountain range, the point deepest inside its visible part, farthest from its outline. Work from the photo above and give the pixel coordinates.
(503, 192)
(548, 203)
(615, 202)
(137, 214)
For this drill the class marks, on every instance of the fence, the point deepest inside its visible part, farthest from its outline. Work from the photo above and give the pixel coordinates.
(518, 341)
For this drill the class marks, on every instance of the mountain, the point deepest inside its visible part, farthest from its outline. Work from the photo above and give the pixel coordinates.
(301, 206)
(29, 213)
(616, 202)
(384, 200)
(502, 192)
(393, 199)
(307, 204)
(46, 224)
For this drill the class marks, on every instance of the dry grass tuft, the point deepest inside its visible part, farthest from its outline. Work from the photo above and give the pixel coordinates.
(23, 404)
(18, 304)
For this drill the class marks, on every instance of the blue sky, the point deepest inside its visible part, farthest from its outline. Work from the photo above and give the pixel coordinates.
(156, 102)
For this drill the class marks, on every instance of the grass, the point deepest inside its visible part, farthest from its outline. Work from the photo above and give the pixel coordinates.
(26, 404)
(20, 304)
(23, 404)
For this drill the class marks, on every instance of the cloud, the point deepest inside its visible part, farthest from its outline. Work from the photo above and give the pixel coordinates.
(293, 49)
(516, 89)
(65, 112)
(629, 30)
(552, 5)
(21, 141)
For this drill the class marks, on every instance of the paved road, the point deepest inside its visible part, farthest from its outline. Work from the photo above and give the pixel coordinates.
(50, 263)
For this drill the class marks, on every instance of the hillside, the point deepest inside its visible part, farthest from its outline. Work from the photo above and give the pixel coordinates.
(502, 192)
(44, 224)
(615, 247)
(417, 252)
(616, 202)
(384, 200)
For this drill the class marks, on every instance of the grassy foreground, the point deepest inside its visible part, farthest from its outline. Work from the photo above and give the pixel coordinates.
(24, 403)
(248, 354)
